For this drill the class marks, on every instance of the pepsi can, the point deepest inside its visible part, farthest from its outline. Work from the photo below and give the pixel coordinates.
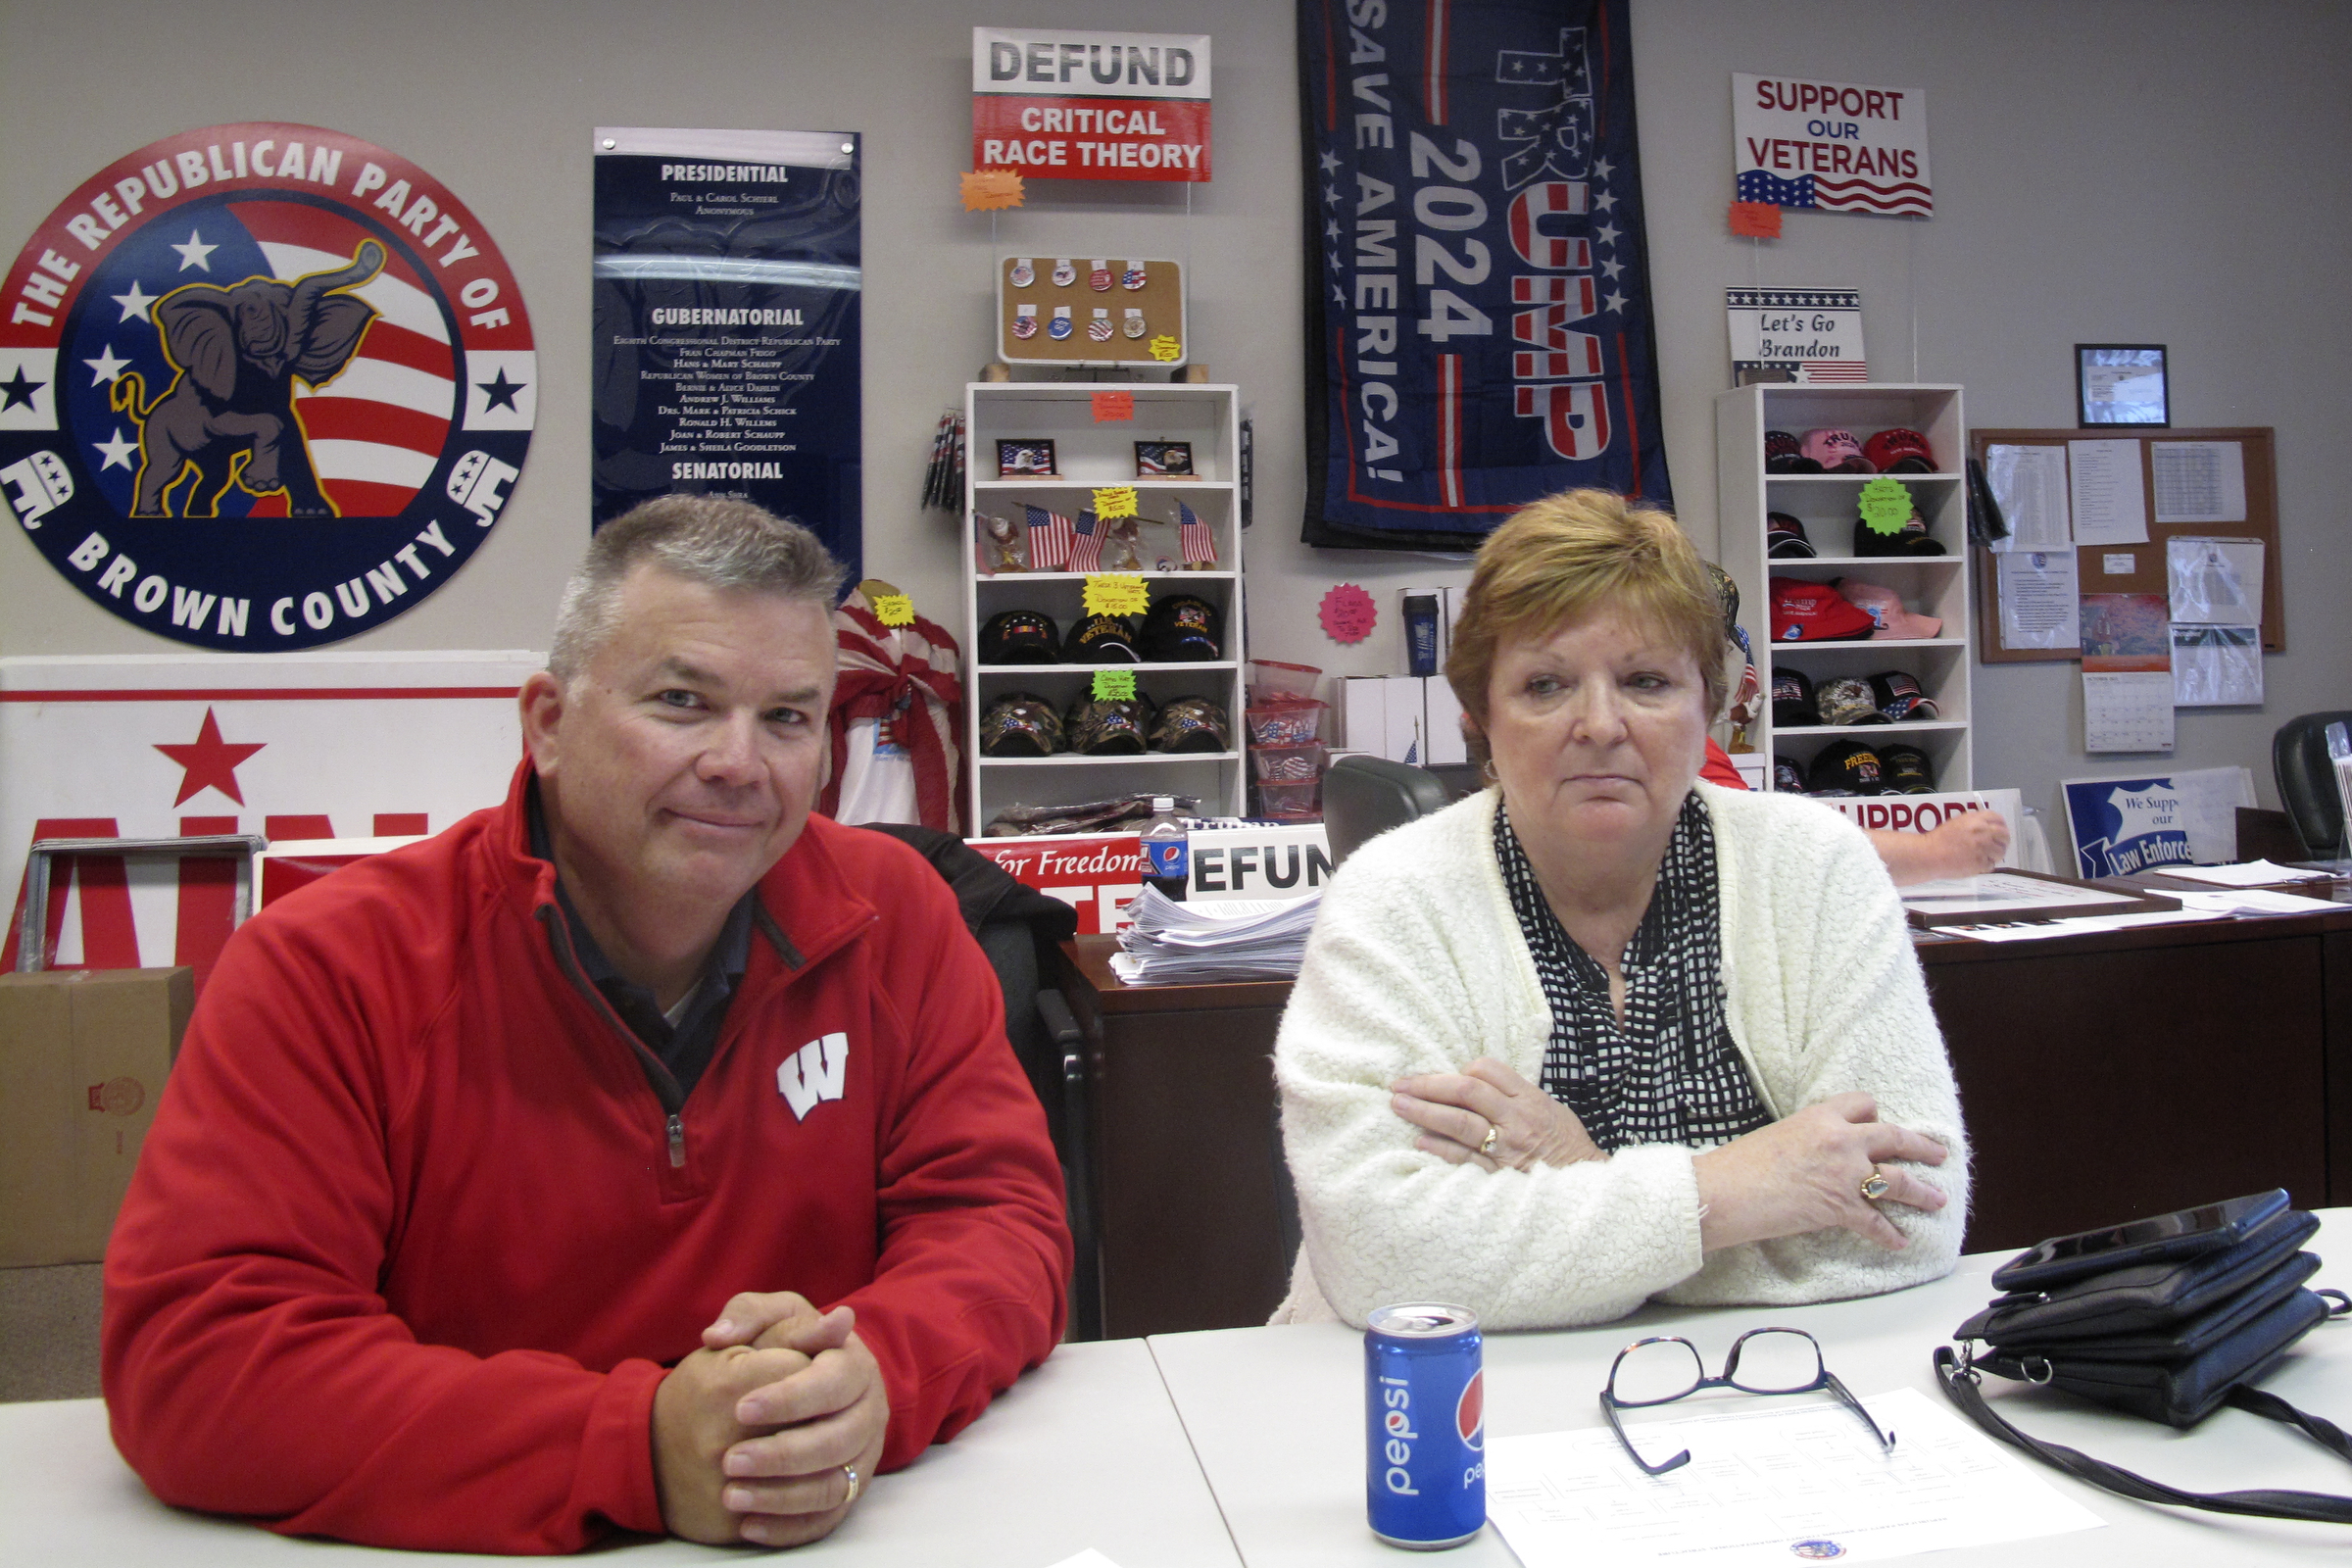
(1425, 1425)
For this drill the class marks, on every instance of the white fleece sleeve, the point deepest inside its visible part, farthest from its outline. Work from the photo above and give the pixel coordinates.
(1401, 979)
(1851, 1012)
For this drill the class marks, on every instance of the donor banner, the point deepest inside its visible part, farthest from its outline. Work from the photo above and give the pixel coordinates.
(728, 301)
(1478, 282)
(1091, 105)
(261, 387)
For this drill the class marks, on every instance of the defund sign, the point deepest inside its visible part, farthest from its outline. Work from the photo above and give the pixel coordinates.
(261, 387)
(1091, 105)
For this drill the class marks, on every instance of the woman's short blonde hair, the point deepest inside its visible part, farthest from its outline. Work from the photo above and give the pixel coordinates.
(1577, 554)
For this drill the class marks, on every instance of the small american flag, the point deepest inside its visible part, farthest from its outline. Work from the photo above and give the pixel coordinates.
(1198, 549)
(1086, 552)
(1049, 539)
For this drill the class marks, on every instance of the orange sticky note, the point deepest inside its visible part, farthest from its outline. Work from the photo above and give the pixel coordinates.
(988, 189)
(1113, 405)
(1756, 219)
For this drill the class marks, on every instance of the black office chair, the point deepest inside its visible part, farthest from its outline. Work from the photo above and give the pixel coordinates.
(1364, 796)
(1017, 928)
(2306, 777)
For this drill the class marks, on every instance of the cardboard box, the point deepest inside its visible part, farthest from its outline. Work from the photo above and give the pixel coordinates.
(83, 1053)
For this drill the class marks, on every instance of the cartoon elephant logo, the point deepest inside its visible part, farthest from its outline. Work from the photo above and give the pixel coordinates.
(228, 416)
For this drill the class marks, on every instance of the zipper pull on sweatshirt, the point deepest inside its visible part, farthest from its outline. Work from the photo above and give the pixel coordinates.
(677, 1140)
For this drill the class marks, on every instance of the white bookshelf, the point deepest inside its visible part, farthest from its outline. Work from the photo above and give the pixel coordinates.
(1088, 456)
(1827, 503)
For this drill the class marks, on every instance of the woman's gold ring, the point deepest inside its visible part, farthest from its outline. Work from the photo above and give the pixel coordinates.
(1486, 1145)
(1876, 1186)
(857, 1484)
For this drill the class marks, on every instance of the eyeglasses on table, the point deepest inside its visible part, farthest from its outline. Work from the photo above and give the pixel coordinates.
(1666, 1367)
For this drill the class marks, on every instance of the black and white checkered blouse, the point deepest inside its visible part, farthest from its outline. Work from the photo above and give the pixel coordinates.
(1670, 1073)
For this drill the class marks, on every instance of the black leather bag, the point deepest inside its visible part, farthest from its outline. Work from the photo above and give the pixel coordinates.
(2170, 1341)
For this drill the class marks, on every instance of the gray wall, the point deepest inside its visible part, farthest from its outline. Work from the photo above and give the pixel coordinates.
(2158, 171)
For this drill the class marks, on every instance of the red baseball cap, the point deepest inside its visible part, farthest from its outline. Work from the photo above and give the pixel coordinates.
(1816, 612)
(1900, 451)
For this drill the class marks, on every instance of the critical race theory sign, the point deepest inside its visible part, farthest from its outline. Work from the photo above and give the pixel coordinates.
(261, 387)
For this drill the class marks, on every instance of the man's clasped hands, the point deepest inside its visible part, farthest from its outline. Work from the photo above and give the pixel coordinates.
(757, 1434)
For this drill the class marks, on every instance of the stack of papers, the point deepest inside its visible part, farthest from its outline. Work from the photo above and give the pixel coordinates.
(1228, 939)
(2252, 874)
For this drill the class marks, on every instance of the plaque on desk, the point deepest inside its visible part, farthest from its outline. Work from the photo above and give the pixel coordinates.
(2010, 896)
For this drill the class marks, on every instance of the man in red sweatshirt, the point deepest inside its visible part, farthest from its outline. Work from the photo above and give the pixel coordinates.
(500, 1179)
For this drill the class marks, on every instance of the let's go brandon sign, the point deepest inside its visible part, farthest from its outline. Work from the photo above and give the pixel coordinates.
(1091, 105)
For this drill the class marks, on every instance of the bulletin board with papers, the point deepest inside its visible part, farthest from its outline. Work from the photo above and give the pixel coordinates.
(2098, 510)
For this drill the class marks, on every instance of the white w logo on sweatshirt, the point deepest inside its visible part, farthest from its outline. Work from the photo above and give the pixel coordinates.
(813, 1074)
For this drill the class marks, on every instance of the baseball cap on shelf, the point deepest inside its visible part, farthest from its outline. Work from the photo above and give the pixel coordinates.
(1849, 700)
(1786, 777)
(1785, 538)
(1782, 454)
(1101, 640)
(1911, 539)
(1900, 451)
(1836, 450)
(1846, 767)
(1107, 726)
(1020, 724)
(1192, 724)
(1792, 699)
(1182, 630)
(1815, 613)
(1018, 637)
(1884, 608)
(1906, 771)
(1897, 697)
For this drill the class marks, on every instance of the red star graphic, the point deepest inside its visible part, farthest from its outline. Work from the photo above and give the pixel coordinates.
(210, 762)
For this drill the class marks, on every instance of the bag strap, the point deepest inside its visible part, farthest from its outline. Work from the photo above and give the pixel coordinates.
(1960, 1380)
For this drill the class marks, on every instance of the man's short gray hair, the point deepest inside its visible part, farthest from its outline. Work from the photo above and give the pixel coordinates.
(717, 541)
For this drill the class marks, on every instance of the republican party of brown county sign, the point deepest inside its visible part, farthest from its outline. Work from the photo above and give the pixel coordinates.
(261, 387)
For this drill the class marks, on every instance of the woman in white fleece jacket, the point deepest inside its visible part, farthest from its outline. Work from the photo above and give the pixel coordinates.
(1602, 1032)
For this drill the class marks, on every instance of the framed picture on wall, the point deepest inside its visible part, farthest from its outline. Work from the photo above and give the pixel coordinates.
(2121, 384)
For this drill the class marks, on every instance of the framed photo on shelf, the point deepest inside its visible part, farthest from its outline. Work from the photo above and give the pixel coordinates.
(1025, 457)
(2121, 384)
(1163, 459)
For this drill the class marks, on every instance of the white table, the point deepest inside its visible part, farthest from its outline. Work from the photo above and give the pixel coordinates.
(1276, 1417)
(1084, 1451)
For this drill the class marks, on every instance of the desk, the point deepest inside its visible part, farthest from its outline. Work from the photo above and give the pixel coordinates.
(1276, 1417)
(1084, 1451)
(2102, 1077)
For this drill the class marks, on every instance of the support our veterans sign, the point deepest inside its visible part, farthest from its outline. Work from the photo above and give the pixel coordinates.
(1057, 105)
(1479, 321)
(1836, 146)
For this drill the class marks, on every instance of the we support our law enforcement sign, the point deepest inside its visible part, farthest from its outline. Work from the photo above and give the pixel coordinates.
(727, 309)
(1478, 320)
(262, 386)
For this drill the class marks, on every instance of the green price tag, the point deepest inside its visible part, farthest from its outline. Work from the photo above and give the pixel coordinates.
(1114, 685)
(1886, 505)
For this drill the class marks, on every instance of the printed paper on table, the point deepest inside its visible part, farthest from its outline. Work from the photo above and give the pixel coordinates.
(1768, 1483)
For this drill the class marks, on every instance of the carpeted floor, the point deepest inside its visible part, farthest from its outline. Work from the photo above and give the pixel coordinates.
(49, 1331)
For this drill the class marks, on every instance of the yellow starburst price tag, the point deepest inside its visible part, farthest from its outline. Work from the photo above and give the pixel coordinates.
(1116, 593)
(1114, 501)
(1884, 504)
(893, 609)
(1114, 685)
(1164, 348)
